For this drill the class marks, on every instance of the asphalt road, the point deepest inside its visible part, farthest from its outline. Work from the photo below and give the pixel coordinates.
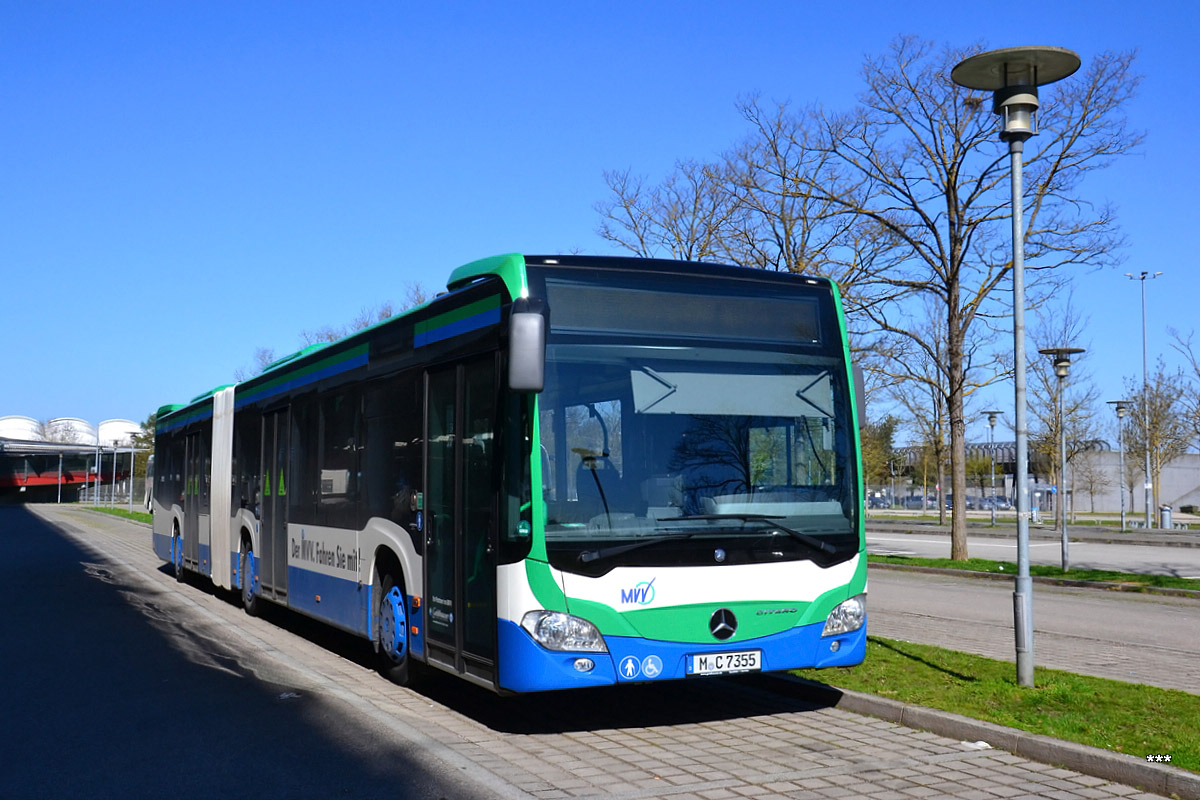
(1183, 562)
(105, 694)
(1131, 637)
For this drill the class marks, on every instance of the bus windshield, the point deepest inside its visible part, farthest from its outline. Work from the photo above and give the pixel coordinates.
(673, 454)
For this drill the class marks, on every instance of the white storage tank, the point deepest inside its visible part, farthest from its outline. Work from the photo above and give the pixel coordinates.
(71, 430)
(120, 431)
(24, 428)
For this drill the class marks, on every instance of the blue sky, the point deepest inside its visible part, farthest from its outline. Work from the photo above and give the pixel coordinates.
(181, 183)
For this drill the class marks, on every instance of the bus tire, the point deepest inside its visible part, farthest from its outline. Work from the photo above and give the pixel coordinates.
(177, 553)
(391, 631)
(246, 572)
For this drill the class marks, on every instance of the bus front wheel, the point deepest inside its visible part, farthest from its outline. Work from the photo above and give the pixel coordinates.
(392, 631)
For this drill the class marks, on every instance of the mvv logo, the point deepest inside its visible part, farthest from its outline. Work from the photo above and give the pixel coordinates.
(642, 594)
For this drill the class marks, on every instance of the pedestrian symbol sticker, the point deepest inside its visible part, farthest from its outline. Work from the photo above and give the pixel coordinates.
(630, 668)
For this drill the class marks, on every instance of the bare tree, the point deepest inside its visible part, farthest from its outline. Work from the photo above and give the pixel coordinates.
(919, 158)
(263, 357)
(879, 450)
(58, 432)
(1168, 433)
(415, 295)
(684, 217)
(1191, 396)
(1061, 326)
(365, 319)
(1087, 473)
(921, 392)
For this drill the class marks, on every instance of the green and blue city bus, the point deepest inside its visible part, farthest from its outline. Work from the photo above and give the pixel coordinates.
(564, 472)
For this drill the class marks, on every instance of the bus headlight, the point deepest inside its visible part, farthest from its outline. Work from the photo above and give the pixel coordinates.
(847, 617)
(556, 631)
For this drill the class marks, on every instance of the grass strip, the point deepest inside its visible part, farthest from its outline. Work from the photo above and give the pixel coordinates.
(1010, 568)
(136, 516)
(1120, 717)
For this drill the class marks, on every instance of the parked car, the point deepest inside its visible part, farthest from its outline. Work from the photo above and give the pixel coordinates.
(917, 502)
(879, 502)
(1000, 502)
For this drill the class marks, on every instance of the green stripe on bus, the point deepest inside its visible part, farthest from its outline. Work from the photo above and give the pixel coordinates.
(544, 587)
(287, 376)
(458, 315)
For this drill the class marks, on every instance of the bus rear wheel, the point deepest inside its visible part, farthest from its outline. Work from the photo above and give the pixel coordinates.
(177, 554)
(391, 630)
(247, 573)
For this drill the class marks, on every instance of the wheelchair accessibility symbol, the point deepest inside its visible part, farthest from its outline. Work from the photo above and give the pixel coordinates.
(631, 667)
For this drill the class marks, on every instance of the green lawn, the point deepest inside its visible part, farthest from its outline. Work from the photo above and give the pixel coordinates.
(1122, 717)
(136, 516)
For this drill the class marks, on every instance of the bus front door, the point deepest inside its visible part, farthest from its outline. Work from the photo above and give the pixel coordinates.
(461, 508)
(272, 562)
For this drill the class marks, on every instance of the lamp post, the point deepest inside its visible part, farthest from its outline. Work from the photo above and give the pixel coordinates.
(1013, 76)
(992, 416)
(1145, 402)
(1122, 408)
(1060, 357)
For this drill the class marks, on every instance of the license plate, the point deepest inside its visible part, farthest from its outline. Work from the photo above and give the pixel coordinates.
(725, 663)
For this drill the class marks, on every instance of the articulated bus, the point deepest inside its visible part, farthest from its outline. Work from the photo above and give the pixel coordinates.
(564, 472)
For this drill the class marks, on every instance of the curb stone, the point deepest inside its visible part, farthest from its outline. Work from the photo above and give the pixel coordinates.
(1117, 767)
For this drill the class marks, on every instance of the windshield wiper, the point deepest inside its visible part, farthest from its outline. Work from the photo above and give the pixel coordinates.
(804, 538)
(588, 556)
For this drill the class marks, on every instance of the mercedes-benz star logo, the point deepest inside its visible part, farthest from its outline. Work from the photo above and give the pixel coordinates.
(723, 624)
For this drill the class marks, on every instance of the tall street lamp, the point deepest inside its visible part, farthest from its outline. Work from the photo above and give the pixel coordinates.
(992, 416)
(1145, 403)
(1013, 76)
(1060, 357)
(1122, 408)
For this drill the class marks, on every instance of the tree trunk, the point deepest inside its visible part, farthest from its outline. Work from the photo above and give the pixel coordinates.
(958, 427)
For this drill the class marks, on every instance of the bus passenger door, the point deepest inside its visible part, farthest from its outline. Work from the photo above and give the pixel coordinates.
(461, 507)
(193, 463)
(272, 563)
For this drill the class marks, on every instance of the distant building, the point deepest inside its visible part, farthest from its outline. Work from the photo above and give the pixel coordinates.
(52, 460)
(1092, 479)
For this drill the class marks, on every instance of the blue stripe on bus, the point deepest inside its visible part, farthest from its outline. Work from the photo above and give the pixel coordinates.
(162, 546)
(527, 667)
(188, 419)
(300, 381)
(449, 331)
(343, 603)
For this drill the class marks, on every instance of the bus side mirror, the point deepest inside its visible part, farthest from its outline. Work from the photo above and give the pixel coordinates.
(527, 345)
